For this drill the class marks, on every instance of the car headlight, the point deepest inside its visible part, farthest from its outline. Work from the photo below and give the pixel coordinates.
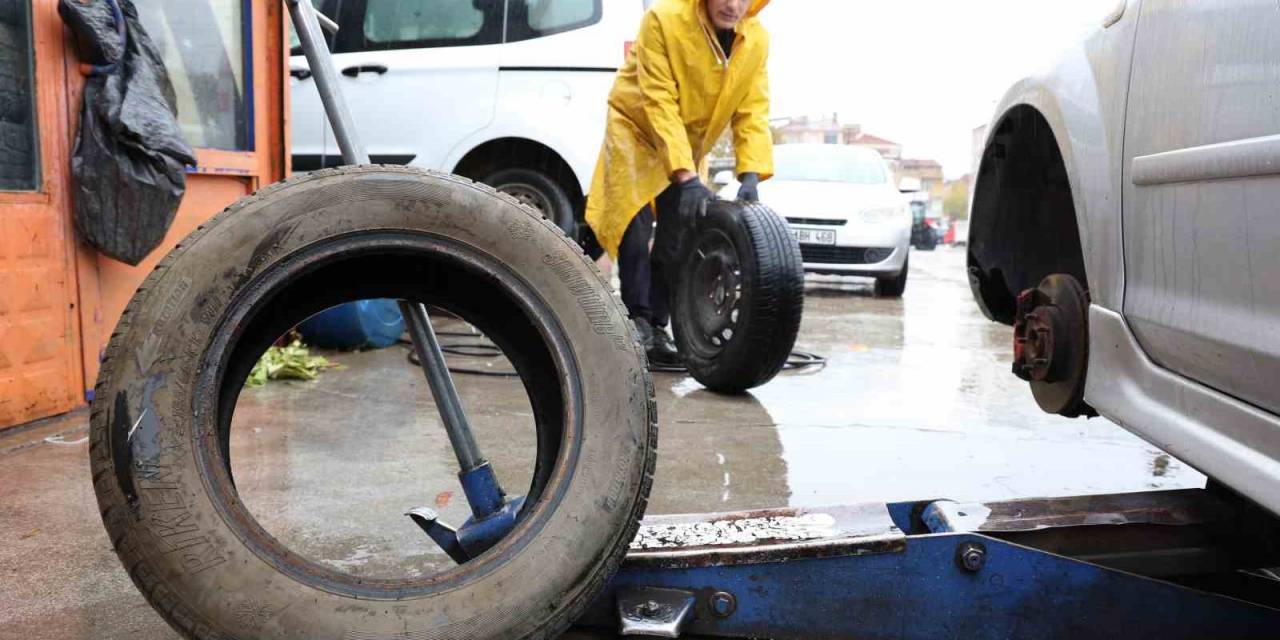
(883, 214)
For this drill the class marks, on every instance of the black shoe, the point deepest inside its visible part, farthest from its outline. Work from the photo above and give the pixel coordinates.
(657, 345)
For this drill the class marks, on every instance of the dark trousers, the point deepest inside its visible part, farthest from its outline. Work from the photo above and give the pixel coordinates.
(644, 273)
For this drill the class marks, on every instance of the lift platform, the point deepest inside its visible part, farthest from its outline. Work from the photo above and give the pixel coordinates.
(1167, 564)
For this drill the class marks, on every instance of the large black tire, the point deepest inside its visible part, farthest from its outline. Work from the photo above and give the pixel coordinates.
(537, 190)
(894, 286)
(182, 349)
(751, 249)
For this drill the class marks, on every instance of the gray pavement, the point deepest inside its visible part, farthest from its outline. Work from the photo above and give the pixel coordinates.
(916, 402)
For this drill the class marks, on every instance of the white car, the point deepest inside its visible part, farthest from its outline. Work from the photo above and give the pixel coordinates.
(843, 208)
(512, 93)
(1124, 220)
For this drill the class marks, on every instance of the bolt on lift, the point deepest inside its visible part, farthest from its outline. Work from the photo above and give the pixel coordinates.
(1166, 564)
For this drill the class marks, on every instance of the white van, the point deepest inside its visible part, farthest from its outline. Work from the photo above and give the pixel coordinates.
(508, 92)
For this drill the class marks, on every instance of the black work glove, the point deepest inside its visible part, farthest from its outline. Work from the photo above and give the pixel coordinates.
(693, 200)
(749, 191)
(678, 221)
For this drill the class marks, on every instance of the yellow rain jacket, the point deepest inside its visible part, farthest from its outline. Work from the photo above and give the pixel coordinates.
(670, 102)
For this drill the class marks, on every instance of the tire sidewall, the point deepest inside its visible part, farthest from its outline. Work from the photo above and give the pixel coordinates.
(194, 565)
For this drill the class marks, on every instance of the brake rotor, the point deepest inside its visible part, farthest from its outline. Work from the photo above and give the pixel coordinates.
(1051, 344)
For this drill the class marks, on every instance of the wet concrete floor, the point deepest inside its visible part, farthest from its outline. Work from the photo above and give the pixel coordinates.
(916, 402)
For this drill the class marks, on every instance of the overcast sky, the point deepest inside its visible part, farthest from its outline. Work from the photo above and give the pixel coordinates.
(923, 73)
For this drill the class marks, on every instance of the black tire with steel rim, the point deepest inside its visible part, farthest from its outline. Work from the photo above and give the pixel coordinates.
(174, 367)
(738, 297)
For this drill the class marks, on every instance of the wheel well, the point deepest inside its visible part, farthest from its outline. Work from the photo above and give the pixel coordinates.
(1023, 221)
(521, 153)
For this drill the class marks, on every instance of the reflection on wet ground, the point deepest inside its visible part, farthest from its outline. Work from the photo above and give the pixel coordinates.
(916, 402)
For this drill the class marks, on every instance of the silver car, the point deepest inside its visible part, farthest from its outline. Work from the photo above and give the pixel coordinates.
(1126, 221)
(843, 208)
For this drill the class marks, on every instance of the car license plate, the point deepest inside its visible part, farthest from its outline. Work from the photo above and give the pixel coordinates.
(814, 236)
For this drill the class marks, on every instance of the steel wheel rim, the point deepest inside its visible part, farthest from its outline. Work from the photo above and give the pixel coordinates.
(530, 196)
(714, 291)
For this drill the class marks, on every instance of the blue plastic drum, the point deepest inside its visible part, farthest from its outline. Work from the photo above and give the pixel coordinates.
(365, 324)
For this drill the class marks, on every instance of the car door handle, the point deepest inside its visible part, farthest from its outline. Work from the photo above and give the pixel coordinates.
(299, 73)
(352, 72)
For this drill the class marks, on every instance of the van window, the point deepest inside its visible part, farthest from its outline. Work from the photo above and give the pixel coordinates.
(421, 24)
(528, 19)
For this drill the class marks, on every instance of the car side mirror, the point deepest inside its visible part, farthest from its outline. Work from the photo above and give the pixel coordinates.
(723, 177)
(909, 185)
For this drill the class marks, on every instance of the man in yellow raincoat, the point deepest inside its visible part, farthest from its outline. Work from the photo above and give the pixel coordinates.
(698, 66)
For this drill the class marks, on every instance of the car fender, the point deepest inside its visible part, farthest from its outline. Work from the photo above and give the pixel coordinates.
(578, 145)
(1082, 99)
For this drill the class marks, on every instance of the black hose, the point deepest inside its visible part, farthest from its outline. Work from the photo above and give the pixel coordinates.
(468, 349)
(796, 361)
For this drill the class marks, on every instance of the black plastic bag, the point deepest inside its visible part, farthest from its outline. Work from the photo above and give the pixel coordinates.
(128, 166)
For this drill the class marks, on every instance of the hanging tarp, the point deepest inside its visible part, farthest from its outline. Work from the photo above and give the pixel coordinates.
(128, 166)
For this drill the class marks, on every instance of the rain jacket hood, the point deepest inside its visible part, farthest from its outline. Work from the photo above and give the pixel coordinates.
(673, 98)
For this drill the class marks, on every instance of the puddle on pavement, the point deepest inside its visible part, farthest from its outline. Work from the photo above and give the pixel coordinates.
(917, 401)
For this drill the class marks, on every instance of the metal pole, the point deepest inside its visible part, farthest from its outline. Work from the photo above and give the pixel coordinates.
(312, 41)
(478, 480)
(446, 395)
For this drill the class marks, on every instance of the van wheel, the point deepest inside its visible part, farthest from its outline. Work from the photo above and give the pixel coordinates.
(160, 425)
(895, 286)
(738, 297)
(538, 191)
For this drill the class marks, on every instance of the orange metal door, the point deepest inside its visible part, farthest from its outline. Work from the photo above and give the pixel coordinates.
(40, 359)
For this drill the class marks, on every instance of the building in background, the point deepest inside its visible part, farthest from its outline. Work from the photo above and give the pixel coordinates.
(888, 149)
(821, 130)
(929, 173)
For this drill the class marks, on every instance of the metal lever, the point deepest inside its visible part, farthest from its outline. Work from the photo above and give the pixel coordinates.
(441, 382)
(493, 515)
(306, 24)
(326, 22)
(444, 535)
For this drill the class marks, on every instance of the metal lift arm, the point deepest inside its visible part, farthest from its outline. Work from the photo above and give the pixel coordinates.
(941, 569)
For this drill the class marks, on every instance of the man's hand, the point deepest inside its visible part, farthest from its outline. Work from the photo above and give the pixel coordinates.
(749, 191)
(693, 199)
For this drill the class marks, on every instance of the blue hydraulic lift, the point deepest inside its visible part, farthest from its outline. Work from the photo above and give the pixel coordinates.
(1167, 564)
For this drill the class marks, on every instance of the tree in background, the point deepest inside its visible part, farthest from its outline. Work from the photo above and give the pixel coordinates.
(955, 201)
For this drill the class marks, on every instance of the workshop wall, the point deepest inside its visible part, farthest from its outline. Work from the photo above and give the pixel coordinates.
(59, 299)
